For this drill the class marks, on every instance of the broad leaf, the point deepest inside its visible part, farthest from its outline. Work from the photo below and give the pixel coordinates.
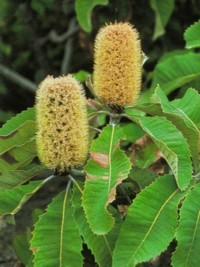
(18, 120)
(189, 105)
(83, 12)
(182, 121)
(99, 245)
(18, 137)
(132, 131)
(192, 36)
(18, 157)
(176, 71)
(16, 177)
(56, 240)
(150, 224)
(142, 177)
(173, 146)
(188, 232)
(12, 200)
(163, 11)
(106, 168)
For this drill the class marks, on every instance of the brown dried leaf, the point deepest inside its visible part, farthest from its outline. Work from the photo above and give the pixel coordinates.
(100, 159)
(112, 194)
(122, 209)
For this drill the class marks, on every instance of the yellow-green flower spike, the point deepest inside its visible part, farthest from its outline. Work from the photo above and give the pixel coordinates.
(117, 64)
(62, 137)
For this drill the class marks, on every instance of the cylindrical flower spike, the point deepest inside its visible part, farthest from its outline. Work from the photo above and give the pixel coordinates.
(117, 64)
(62, 137)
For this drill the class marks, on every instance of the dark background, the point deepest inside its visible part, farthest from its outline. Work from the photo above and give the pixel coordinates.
(33, 41)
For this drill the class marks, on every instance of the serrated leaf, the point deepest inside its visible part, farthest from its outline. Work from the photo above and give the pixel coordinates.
(176, 72)
(18, 137)
(99, 245)
(182, 121)
(18, 157)
(62, 244)
(150, 224)
(18, 120)
(83, 12)
(102, 178)
(173, 146)
(163, 11)
(17, 177)
(188, 232)
(12, 200)
(189, 104)
(184, 113)
(191, 35)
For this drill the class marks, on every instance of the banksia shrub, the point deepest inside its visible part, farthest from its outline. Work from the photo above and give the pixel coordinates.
(62, 137)
(117, 64)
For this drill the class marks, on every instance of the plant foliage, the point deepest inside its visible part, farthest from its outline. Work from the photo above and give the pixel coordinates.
(137, 197)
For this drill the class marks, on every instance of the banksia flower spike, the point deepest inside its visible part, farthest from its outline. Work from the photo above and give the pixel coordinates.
(62, 137)
(117, 64)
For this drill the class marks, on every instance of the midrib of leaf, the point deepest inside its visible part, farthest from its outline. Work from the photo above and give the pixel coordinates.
(107, 244)
(186, 116)
(62, 227)
(109, 155)
(153, 223)
(29, 195)
(195, 230)
(103, 236)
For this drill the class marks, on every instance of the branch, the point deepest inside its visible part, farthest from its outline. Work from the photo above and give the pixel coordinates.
(17, 78)
(55, 38)
(68, 48)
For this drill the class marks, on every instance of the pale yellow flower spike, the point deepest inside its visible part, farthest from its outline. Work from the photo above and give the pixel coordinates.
(62, 137)
(117, 64)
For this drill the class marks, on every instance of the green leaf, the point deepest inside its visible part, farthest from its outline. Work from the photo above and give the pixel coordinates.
(163, 11)
(99, 245)
(189, 105)
(14, 123)
(21, 246)
(81, 75)
(84, 10)
(18, 137)
(188, 232)
(150, 224)
(107, 167)
(56, 240)
(146, 156)
(16, 177)
(173, 146)
(18, 157)
(191, 35)
(12, 200)
(132, 131)
(176, 72)
(142, 177)
(181, 120)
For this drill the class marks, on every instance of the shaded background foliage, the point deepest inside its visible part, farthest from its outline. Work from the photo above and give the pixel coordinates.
(43, 37)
